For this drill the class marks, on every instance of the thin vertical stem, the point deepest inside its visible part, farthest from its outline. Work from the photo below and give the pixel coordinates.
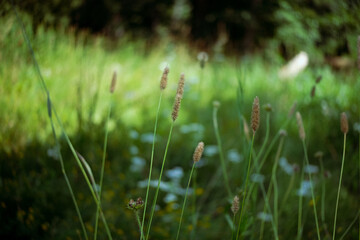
(102, 170)
(183, 207)
(312, 192)
(339, 188)
(158, 187)
(246, 183)
(299, 232)
(222, 160)
(151, 165)
(67, 180)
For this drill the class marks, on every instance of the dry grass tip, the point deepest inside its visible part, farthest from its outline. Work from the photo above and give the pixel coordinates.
(176, 107)
(180, 88)
(113, 82)
(235, 205)
(344, 123)
(301, 126)
(255, 115)
(164, 78)
(198, 152)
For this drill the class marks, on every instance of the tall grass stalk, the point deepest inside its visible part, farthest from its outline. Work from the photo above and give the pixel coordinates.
(197, 155)
(312, 192)
(273, 183)
(302, 137)
(163, 84)
(218, 139)
(344, 129)
(159, 181)
(299, 227)
(174, 116)
(112, 87)
(245, 193)
(255, 122)
(63, 169)
(52, 109)
(151, 163)
(91, 188)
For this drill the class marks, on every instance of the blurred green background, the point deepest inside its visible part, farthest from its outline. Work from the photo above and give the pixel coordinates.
(78, 45)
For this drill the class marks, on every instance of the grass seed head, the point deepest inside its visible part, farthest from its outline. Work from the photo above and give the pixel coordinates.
(176, 107)
(113, 82)
(255, 115)
(301, 126)
(235, 205)
(164, 78)
(180, 88)
(344, 123)
(198, 152)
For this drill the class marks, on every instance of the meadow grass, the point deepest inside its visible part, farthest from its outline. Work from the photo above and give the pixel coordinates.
(66, 59)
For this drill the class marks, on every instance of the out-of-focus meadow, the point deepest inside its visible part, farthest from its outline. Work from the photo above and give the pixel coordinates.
(77, 65)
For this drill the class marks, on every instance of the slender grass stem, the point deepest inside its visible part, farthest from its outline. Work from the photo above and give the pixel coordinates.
(84, 173)
(273, 183)
(50, 106)
(312, 192)
(300, 211)
(67, 179)
(138, 221)
(339, 188)
(183, 207)
(246, 183)
(350, 226)
(151, 164)
(222, 159)
(158, 187)
(102, 170)
(287, 192)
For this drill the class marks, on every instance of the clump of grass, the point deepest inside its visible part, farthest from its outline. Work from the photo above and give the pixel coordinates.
(255, 122)
(344, 125)
(196, 158)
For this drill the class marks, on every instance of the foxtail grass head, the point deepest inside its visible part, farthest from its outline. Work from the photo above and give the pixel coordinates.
(255, 115)
(300, 126)
(198, 152)
(235, 205)
(178, 97)
(180, 88)
(164, 78)
(344, 123)
(113, 82)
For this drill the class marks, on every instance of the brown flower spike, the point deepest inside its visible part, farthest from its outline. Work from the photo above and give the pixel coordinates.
(235, 205)
(180, 88)
(255, 115)
(164, 78)
(178, 98)
(301, 126)
(198, 152)
(344, 123)
(113, 82)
